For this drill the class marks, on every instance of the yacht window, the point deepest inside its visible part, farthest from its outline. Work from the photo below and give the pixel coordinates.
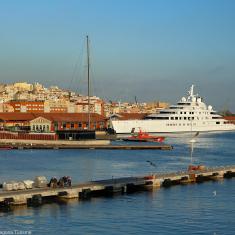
(185, 118)
(217, 122)
(192, 118)
(188, 118)
(176, 118)
(176, 107)
(172, 118)
(180, 103)
(181, 112)
(164, 118)
(167, 112)
(192, 112)
(180, 118)
(184, 112)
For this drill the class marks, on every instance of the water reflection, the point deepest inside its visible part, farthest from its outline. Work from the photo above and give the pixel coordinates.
(184, 208)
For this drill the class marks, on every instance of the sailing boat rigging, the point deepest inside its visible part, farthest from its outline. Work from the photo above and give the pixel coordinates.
(88, 81)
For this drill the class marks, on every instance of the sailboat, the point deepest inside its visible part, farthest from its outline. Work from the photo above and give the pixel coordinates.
(89, 132)
(88, 82)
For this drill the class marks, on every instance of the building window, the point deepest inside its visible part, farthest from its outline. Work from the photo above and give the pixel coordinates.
(79, 125)
(101, 125)
(64, 125)
(72, 125)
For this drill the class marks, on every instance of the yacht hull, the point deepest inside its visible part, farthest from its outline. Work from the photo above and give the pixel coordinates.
(158, 127)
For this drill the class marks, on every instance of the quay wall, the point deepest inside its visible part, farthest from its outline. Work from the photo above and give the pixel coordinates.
(54, 142)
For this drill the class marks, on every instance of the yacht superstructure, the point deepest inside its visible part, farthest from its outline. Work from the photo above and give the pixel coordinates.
(190, 114)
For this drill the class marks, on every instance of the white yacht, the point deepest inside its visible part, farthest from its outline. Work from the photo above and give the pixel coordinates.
(190, 114)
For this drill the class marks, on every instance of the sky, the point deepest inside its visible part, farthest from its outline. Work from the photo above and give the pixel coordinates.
(151, 49)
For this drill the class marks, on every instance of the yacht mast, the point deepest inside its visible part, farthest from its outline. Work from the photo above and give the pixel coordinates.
(88, 81)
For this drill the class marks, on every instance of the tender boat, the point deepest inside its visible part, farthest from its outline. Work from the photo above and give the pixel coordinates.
(142, 136)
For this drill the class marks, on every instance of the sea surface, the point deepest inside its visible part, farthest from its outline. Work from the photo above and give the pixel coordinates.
(207, 208)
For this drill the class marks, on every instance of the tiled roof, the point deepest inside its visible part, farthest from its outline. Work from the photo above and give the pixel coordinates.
(59, 117)
(232, 118)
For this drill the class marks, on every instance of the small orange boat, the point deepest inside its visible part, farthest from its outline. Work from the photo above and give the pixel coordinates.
(142, 136)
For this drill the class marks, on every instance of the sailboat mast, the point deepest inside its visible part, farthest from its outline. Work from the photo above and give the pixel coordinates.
(88, 81)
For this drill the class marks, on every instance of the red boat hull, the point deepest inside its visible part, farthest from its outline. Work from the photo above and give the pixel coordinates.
(145, 137)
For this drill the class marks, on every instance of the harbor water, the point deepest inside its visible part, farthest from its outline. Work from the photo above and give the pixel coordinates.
(207, 208)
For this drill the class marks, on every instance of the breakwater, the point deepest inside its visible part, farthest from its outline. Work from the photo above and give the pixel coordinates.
(82, 144)
(37, 196)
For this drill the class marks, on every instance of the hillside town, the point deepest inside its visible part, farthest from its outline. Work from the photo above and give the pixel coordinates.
(35, 108)
(22, 97)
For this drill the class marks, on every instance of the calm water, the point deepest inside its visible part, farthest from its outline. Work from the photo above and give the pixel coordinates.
(192, 209)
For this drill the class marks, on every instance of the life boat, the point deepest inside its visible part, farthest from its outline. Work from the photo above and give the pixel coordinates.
(142, 136)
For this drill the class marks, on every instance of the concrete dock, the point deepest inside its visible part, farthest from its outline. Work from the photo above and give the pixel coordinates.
(38, 196)
(82, 144)
(104, 147)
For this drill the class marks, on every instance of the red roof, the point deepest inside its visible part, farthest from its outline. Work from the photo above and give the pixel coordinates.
(59, 117)
(231, 118)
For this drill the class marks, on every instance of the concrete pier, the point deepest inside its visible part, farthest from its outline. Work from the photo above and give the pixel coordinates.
(82, 144)
(18, 142)
(38, 196)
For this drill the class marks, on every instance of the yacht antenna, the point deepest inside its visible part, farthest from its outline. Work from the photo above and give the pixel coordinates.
(191, 91)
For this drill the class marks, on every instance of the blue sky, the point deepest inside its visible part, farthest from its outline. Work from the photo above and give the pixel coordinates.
(152, 49)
